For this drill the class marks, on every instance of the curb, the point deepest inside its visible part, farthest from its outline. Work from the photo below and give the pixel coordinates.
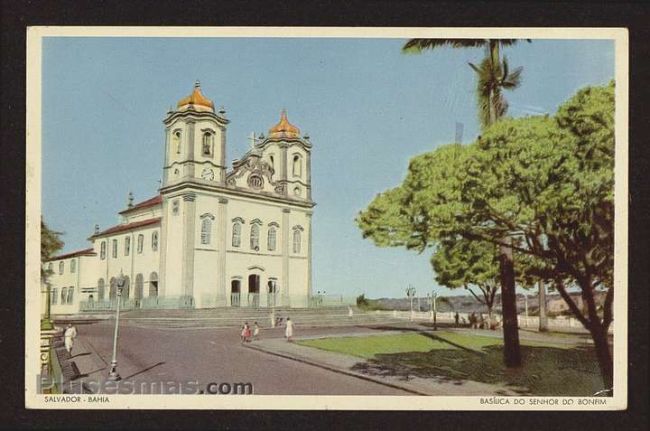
(337, 370)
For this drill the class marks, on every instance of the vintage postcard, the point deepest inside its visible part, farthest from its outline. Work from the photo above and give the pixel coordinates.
(326, 218)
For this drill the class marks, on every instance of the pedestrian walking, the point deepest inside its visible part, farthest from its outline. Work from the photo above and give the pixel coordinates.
(256, 331)
(288, 332)
(245, 331)
(69, 335)
(247, 334)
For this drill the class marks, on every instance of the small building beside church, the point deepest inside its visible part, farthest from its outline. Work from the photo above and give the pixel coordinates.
(213, 236)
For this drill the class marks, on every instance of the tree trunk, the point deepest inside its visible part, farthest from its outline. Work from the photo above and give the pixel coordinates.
(511, 350)
(598, 332)
(604, 355)
(543, 319)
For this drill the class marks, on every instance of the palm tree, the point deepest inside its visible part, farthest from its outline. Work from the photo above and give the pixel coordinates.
(493, 72)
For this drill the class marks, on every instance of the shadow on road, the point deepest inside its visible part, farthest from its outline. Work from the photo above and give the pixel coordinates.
(143, 371)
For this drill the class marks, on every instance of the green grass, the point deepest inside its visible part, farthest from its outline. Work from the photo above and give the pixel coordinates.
(368, 347)
(549, 369)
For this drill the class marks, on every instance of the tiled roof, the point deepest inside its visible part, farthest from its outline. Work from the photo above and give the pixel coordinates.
(125, 227)
(156, 200)
(85, 252)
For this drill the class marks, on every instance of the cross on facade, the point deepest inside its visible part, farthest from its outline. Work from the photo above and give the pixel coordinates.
(252, 140)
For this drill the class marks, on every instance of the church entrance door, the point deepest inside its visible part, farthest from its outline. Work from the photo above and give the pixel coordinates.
(235, 289)
(272, 293)
(254, 290)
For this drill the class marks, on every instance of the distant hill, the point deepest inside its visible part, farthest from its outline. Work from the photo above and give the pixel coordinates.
(467, 303)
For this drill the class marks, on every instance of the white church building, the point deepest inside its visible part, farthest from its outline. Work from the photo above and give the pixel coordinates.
(213, 236)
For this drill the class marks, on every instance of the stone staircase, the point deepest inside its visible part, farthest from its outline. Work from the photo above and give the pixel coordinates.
(235, 317)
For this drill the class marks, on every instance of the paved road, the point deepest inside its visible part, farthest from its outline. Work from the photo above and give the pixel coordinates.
(165, 356)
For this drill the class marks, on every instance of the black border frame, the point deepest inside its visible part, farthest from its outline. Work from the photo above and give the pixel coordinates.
(17, 15)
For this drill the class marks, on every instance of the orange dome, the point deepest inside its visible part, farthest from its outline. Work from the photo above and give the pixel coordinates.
(284, 129)
(196, 98)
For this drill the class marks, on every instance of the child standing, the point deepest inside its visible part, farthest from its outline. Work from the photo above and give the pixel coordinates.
(256, 331)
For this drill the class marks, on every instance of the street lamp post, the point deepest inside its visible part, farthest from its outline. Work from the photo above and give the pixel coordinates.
(434, 306)
(410, 292)
(46, 322)
(113, 375)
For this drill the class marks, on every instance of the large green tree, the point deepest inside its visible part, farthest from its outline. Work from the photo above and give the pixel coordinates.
(544, 183)
(51, 243)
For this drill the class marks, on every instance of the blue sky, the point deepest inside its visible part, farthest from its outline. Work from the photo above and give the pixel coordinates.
(367, 107)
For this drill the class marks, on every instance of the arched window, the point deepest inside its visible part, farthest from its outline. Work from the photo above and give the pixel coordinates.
(208, 141)
(297, 166)
(140, 243)
(73, 266)
(296, 241)
(154, 240)
(102, 252)
(112, 293)
(236, 234)
(61, 267)
(126, 288)
(100, 289)
(64, 295)
(176, 141)
(139, 286)
(153, 285)
(271, 238)
(114, 253)
(255, 237)
(272, 161)
(127, 245)
(54, 297)
(70, 294)
(206, 230)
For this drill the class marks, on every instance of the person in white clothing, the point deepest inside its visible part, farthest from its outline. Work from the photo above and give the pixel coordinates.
(69, 335)
(288, 332)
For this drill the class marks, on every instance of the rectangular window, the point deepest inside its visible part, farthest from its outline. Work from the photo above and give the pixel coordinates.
(206, 227)
(140, 243)
(114, 249)
(73, 266)
(154, 241)
(53, 296)
(102, 252)
(70, 295)
(271, 239)
(296, 241)
(61, 267)
(127, 245)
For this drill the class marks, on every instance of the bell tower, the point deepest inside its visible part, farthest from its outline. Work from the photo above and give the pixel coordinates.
(195, 153)
(293, 154)
(195, 141)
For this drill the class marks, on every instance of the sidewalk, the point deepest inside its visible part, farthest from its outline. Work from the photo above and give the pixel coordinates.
(344, 364)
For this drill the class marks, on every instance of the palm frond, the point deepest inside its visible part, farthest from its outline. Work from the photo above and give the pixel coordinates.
(510, 42)
(416, 46)
(510, 80)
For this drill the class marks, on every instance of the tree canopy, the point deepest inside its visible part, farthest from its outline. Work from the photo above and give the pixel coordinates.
(51, 243)
(545, 182)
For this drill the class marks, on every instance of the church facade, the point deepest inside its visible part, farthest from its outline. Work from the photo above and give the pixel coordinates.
(213, 236)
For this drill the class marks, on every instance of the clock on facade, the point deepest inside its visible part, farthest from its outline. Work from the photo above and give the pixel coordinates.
(207, 174)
